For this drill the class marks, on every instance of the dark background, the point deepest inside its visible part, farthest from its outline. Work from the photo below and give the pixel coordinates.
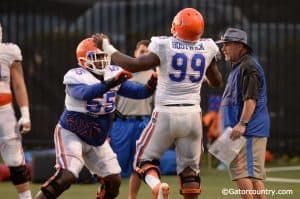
(48, 32)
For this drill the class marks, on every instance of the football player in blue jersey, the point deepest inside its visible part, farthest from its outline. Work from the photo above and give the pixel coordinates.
(80, 135)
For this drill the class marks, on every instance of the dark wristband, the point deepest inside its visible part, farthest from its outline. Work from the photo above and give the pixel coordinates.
(112, 82)
(243, 123)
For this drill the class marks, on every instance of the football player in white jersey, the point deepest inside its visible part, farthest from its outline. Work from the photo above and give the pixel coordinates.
(11, 73)
(80, 135)
(185, 60)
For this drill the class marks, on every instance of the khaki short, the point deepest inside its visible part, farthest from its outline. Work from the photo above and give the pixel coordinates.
(250, 162)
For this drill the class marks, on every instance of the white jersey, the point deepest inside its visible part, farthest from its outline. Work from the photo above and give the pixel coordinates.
(102, 105)
(9, 53)
(182, 68)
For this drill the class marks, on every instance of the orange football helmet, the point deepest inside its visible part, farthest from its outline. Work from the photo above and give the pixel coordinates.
(188, 25)
(91, 57)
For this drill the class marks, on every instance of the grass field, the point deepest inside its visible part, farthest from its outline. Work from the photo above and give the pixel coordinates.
(213, 182)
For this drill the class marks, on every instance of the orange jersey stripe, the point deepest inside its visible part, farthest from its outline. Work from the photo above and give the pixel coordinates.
(5, 98)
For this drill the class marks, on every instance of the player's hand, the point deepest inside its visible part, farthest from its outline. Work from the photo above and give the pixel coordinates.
(152, 82)
(98, 39)
(120, 77)
(102, 42)
(24, 125)
(123, 75)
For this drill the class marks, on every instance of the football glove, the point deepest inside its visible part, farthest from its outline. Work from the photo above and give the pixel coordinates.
(121, 77)
(152, 82)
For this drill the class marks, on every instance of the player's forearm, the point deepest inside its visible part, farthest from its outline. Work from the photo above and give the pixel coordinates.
(21, 96)
(18, 85)
(213, 75)
(134, 90)
(86, 92)
(126, 62)
(129, 63)
(214, 79)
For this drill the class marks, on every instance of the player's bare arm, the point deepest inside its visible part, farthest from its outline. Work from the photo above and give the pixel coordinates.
(144, 62)
(18, 84)
(213, 75)
(21, 95)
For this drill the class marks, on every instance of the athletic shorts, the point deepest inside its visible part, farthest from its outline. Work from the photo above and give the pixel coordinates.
(250, 162)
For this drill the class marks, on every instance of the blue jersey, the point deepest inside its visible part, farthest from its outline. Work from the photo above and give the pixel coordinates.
(89, 103)
(246, 81)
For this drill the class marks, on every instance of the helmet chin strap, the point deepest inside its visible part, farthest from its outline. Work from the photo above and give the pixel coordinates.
(94, 69)
(91, 67)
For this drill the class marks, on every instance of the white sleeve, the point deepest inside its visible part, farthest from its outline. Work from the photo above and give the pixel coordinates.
(154, 45)
(13, 52)
(113, 70)
(158, 44)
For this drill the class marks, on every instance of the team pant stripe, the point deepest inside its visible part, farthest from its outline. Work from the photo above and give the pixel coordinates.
(146, 143)
(143, 145)
(57, 150)
(144, 134)
(60, 148)
(201, 142)
(146, 139)
(56, 144)
(51, 178)
(63, 154)
(140, 140)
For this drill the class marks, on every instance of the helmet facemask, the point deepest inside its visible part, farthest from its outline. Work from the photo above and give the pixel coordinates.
(96, 62)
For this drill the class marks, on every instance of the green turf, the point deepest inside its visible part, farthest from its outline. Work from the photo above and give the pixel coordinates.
(213, 182)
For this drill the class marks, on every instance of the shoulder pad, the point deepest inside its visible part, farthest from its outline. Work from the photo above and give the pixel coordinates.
(159, 38)
(114, 68)
(75, 76)
(157, 44)
(163, 37)
(211, 45)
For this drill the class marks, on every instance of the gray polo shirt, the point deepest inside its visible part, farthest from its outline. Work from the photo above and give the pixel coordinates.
(130, 107)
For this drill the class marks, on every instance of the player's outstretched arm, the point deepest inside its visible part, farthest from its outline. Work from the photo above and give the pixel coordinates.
(20, 91)
(144, 62)
(213, 75)
(89, 92)
(137, 90)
